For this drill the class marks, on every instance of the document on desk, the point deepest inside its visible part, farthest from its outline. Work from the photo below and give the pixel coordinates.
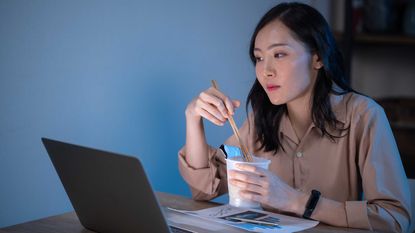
(196, 223)
(251, 219)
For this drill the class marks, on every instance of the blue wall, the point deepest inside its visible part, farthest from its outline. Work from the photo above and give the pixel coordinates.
(115, 75)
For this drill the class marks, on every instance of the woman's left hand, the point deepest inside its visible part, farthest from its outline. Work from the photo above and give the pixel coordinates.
(263, 186)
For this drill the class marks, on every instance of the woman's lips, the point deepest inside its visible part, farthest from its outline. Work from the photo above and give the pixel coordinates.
(272, 87)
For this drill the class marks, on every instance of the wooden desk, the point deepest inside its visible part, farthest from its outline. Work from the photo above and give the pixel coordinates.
(69, 223)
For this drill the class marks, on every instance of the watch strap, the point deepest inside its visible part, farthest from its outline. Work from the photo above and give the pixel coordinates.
(311, 203)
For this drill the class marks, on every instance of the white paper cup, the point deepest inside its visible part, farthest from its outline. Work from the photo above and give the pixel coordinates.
(234, 198)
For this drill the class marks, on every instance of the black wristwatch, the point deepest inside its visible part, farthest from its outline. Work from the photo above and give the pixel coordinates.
(311, 203)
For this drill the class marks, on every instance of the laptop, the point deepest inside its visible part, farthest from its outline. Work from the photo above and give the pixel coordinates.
(109, 192)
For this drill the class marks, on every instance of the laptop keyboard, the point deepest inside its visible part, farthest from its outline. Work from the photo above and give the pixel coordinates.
(178, 230)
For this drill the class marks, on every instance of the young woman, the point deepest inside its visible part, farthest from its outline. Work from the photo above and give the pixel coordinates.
(333, 155)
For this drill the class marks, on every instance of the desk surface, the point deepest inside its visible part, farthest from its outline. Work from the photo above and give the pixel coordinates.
(69, 223)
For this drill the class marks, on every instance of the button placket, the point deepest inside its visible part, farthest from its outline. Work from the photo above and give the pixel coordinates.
(297, 174)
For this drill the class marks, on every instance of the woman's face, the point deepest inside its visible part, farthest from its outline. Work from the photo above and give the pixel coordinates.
(284, 67)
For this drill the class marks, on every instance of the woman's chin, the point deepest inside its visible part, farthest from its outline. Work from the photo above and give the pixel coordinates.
(276, 101)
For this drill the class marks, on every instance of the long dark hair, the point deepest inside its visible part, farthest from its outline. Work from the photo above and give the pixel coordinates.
(309, 27)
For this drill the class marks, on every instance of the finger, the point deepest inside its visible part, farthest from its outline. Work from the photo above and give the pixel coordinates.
(229, 106)
(243, 176)
(215, 101)
(211, 118)
(231, 173)
(235, 174)
(211, 109)
(254, 169)
(236, 103)
(251, 196)
(260, 181)
(248, 186)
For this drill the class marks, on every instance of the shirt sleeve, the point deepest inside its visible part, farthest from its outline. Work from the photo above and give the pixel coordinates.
(385, 186)
(386, 197)
(205, 183)
(211, 181)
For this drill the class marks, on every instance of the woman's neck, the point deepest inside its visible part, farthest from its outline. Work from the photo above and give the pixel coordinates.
(299, 113)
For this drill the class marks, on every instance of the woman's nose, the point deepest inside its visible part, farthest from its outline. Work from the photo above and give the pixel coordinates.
(269, 70)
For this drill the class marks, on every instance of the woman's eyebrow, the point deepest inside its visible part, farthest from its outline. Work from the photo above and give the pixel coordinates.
(272, 46)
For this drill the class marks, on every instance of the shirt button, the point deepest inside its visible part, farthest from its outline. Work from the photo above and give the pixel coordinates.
(299, 154)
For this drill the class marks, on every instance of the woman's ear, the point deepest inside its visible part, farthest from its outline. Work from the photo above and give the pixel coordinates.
(317, 63)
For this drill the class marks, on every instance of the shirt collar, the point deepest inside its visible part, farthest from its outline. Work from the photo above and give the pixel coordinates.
(338, 104)
(339, 107)
(286, 129)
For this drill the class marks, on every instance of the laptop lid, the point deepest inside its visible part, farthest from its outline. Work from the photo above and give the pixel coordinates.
(109, 192)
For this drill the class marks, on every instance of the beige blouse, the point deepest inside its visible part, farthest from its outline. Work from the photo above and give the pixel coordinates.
(360, 175)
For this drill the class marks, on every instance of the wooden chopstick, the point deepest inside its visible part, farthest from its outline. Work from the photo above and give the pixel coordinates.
(245, 152)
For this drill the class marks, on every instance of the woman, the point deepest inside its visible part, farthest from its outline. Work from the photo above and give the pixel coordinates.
(320, 135)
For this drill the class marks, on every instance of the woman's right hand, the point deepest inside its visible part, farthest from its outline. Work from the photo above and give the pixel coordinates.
(212, 105)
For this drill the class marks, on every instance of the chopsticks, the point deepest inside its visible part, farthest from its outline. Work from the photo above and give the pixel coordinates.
(246, 155)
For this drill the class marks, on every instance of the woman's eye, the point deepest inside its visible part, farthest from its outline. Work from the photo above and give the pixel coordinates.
(258, 59)
(279, 55)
